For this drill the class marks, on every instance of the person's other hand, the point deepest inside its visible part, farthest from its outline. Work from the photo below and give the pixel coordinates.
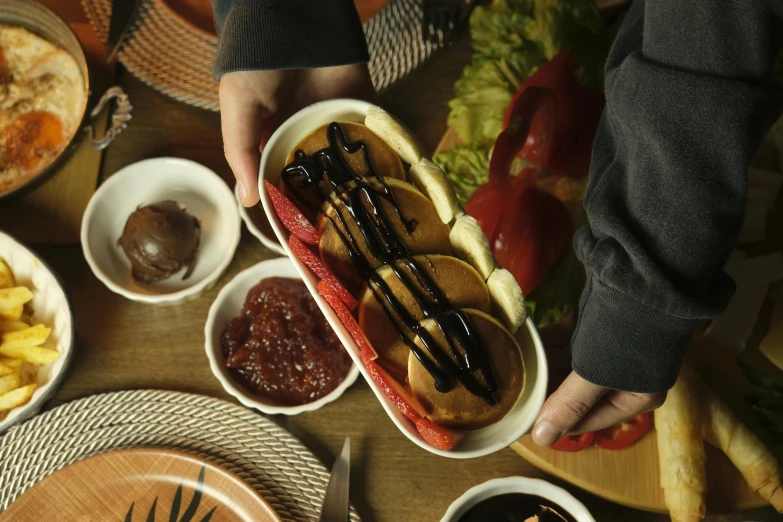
(254, 103)
(577, 405)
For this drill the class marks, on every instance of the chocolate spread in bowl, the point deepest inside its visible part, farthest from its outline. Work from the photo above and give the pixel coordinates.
(281, 346)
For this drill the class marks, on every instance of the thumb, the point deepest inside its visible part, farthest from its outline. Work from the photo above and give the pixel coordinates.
(565, 409)
(240, 118)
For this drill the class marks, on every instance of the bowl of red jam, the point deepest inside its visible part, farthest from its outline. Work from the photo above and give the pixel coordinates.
(271, 347)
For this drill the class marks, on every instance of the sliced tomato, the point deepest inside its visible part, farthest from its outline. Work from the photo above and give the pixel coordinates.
(438, 436)
(314, 263)
(574, 443)
(533, 237)
(395, 391)
(624, 434)
(328, 292)
(291, 217)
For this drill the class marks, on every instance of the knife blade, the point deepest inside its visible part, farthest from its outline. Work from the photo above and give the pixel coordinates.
(123, 14)
(335, 506)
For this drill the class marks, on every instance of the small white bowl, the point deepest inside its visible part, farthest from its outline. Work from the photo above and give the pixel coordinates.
(228, 304)
(476, 443)
(529, 486)
(51, 307)
(205, 195)
(258, 225)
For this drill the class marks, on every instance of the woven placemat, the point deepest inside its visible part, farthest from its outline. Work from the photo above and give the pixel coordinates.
(175, 58)
(268, 458)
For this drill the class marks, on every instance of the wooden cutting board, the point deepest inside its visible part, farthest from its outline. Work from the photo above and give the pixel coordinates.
(631, 476)
(52, 213)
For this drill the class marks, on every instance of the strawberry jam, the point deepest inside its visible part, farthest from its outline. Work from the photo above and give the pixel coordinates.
(281, 346)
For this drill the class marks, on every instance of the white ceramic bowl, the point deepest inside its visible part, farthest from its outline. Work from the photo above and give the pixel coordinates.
(206, 196)
(52, 307)
(228, 304)
(502, 486)
(476, 443)
(261, 231)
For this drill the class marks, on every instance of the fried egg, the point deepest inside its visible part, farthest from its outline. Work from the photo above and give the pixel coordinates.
(42, 98)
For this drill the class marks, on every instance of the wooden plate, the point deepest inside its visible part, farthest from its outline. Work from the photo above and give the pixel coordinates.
(198, 13)
(631, 476)
(141, 485)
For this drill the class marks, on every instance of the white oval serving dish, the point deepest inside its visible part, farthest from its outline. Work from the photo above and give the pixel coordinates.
(51, 307)
(227, 305)
(503, 486)
(476, 443)
(205, 196)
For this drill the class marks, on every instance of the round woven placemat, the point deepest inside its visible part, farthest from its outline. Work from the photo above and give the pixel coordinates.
(265, 456)
(173, 57)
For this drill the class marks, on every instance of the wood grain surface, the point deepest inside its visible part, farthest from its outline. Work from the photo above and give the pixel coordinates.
(141, 484)
(126, 345)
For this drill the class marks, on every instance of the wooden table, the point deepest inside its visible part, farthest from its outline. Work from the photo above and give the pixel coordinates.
(126, 345)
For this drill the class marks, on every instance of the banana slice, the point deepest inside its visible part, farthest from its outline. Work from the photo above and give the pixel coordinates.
(471, 245)
(508, 303)
(394, 133)
(432, 181)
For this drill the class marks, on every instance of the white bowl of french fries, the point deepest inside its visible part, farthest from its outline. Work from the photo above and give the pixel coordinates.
(37, 332)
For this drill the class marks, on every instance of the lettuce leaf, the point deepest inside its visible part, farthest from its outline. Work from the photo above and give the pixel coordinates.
(466, 167)
(557, 295)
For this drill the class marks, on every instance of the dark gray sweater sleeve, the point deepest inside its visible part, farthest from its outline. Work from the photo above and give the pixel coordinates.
(689, 97)
(286, 34)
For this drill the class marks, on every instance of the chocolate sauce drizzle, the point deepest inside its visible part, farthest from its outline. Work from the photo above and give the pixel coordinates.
(328, 174)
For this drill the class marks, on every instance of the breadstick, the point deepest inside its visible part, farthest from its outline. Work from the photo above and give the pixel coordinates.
(752, 458)
(681, 451)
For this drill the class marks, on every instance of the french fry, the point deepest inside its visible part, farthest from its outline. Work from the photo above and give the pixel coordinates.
(13, 326)
(16, 397)
(33, 354)
(9, 382)
(11, 363)
(6, 370)
(33, 336)
(10, 298)
(12, 314)
(7, 279)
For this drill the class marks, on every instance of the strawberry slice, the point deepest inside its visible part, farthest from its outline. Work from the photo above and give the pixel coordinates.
(306, 256)
(395, 391)
(328, 292)
(291, 216)
(438, 436)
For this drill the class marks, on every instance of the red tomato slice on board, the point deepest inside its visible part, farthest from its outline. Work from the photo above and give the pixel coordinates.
(571, 130)
(533, 237)
(574, 443)
(314, 263)
(328, 292)
(394, 391)
(291, 217)
(624, 434)
(438, 436)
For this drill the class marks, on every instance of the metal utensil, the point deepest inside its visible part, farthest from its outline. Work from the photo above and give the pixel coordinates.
(335, 506)
(123, 15)
(444, 18)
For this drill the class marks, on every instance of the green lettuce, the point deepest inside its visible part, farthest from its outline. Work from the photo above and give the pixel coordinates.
(558, 294)
(511, 40)
(466, 167)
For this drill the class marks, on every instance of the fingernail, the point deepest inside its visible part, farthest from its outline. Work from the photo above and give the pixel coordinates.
(546, 433)
(242, 192)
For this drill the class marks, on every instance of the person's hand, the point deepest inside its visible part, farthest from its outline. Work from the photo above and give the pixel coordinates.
(254, 103)
(577, 405)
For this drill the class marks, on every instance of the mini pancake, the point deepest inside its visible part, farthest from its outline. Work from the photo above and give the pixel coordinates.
(385, 161)
(459, 281)
(429, 236)
(459, 409)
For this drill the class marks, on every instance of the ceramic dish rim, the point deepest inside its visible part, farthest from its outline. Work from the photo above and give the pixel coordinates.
(271, 267)
(539, 383)
(118, 177)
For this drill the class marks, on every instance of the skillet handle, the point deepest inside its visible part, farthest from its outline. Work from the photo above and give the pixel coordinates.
(120, 117)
